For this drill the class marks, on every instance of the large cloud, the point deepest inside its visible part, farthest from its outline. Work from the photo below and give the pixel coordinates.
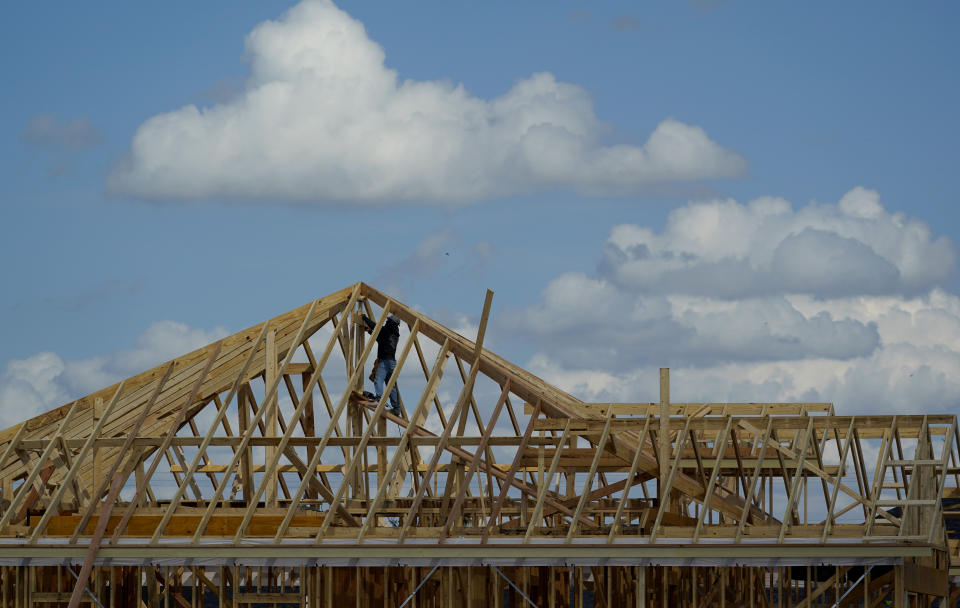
(44, 381)
(323, 119)
(730, 250)
(585, 319)
(760, 302)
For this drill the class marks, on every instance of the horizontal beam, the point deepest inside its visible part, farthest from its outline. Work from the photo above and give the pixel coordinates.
(607, 465)
(115, 442)
(333, 468)
(936, 424)
(498, 554)
(182, 525)
(705, 409)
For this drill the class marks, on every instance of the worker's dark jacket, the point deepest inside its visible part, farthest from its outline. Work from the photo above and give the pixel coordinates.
(387, 339)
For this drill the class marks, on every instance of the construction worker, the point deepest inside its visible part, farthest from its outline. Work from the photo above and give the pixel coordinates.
(386, 362)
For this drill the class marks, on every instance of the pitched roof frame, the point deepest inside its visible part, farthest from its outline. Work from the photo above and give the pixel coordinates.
(729, 473)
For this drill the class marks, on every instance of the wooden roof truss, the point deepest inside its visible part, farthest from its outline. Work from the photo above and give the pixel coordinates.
(261, 438)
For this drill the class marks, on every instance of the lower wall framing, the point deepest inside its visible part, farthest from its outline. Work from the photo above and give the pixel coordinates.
(907, 585)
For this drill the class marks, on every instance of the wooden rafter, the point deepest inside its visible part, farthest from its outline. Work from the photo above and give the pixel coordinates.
(322, 466)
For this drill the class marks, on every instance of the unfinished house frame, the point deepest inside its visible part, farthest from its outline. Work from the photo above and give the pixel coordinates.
(254, 471)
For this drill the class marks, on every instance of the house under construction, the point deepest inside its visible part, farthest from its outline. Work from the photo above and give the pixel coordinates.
(253, 471)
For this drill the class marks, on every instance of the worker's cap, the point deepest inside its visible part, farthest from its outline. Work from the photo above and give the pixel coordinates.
(393, 318)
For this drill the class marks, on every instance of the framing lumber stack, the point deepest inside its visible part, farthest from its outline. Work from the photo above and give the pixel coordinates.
(252, 471)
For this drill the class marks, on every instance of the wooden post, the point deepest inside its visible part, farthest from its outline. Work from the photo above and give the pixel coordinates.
(449, 587)
(270, 376)
(309, 423)
(358, 587)
(899, 588)
(328, 586)
(723, 587)
(469, 588)
(360, 339)
(152, 587)
(578, 587)
(836, 579)
(243, 420)
(665, 586)
(866, 587)
(381, 452)
(671, 498)
(664, 452)
(553, 587)
(166, 587)
(97, 412)
(694, 591)
(222, 596)
(355, 411)
(776, 582)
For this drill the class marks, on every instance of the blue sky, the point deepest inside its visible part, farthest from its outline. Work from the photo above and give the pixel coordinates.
(811, 103)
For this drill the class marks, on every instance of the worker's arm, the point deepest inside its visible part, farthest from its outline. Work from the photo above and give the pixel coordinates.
(368, 324)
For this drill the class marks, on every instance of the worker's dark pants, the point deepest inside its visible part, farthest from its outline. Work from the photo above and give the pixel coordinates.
(385, 368)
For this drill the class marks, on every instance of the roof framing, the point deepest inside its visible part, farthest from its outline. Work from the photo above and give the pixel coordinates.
(261, 445)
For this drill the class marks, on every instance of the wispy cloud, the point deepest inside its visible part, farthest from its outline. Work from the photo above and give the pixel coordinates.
(626, 23)
(439, 252)
(49, 130)
(61, 139)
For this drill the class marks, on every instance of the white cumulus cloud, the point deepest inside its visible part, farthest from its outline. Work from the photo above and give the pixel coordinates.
(322, 119)
(731, 250)
(760, 302)
(584, 319)
(44, 381)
